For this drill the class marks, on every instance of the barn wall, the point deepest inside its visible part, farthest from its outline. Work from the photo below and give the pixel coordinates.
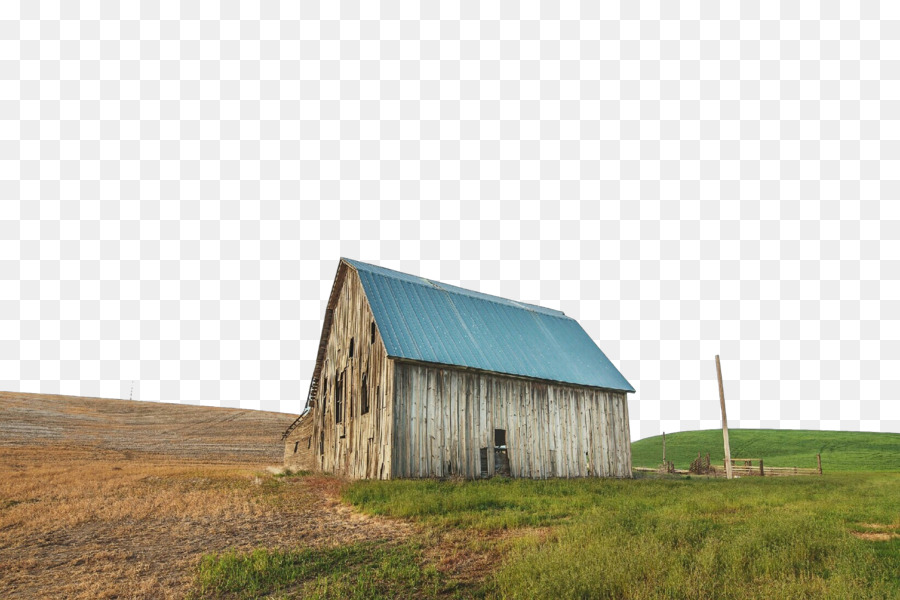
(445, 416)
(359, 446)
(299, 446)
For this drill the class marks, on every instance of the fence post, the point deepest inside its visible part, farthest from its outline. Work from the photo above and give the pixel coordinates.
(728, 471)
(762, 473)
(819, 460)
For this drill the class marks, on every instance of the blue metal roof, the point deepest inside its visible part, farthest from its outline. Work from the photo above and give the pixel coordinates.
(430, 321)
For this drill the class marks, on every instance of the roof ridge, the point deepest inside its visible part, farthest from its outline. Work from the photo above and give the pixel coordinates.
(419, 280)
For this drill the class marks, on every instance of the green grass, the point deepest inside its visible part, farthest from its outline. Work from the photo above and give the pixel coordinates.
(292, 473)
(645, 539)
(690, 538)
(359, 571)
(486, 505)
(841, 450)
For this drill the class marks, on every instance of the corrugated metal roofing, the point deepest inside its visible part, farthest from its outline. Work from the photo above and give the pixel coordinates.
(430, 321)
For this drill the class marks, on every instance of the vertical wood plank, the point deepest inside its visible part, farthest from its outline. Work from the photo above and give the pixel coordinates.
(453, 397)
(448, 423)
(466, 432)
(482, 421)
(422, 438)
(488, 384)
(440, 422)
(433, 425)
(473, 456)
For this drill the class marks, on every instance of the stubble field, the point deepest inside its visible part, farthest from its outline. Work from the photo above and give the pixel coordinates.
(108, 498)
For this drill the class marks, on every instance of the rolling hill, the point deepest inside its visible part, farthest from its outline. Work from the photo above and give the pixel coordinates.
(840, 450)
(210, 434)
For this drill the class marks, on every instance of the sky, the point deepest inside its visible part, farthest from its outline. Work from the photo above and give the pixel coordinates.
(178, 183)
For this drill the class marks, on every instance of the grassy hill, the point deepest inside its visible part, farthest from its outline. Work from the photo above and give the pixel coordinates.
(840, 450)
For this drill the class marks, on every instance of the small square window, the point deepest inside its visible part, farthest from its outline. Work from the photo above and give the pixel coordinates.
(499, 438)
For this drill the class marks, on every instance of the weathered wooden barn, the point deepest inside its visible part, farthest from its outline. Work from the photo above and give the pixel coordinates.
(417, 378)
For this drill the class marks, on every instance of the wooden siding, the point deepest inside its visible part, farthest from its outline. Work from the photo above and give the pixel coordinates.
(445, 416)
(299, 446)
(359, 446)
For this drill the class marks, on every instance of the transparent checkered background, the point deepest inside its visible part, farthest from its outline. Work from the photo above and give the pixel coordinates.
(178, 180)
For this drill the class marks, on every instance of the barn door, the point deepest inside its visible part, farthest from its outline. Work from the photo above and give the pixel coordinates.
(501, 457)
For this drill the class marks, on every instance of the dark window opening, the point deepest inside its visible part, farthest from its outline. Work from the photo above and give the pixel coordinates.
(372, 340)
(322, 442)
(309, 442)
(352, 394)
(484, 462)
(325, 389)
(339, 399)
(364, 395)
(296, 445)
(351, 347)
(500, 438)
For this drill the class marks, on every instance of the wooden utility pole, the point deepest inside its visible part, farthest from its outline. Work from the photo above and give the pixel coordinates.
(728, 472)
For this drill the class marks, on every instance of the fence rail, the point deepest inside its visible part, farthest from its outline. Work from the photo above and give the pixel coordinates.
(748, 467)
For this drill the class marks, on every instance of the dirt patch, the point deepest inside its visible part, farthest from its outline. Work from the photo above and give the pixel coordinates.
(875, 536)
(470, 557)
(85, 512)
(885, 533)
(86, 529)
(878, 526)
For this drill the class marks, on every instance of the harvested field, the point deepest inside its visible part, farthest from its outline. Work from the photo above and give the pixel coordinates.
(108, 498)
(211, 435)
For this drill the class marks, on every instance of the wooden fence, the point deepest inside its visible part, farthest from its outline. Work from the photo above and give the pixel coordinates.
(740, 467)
(748, 467)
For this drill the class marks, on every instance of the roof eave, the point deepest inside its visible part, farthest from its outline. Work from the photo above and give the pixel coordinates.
(513, 375)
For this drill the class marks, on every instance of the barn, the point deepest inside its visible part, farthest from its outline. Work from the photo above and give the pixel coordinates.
(417, 378)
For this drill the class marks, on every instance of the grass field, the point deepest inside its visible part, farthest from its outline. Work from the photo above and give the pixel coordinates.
(841, 450)
(836, 536)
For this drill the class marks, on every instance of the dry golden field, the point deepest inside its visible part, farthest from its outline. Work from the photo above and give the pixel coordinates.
(105, 498)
